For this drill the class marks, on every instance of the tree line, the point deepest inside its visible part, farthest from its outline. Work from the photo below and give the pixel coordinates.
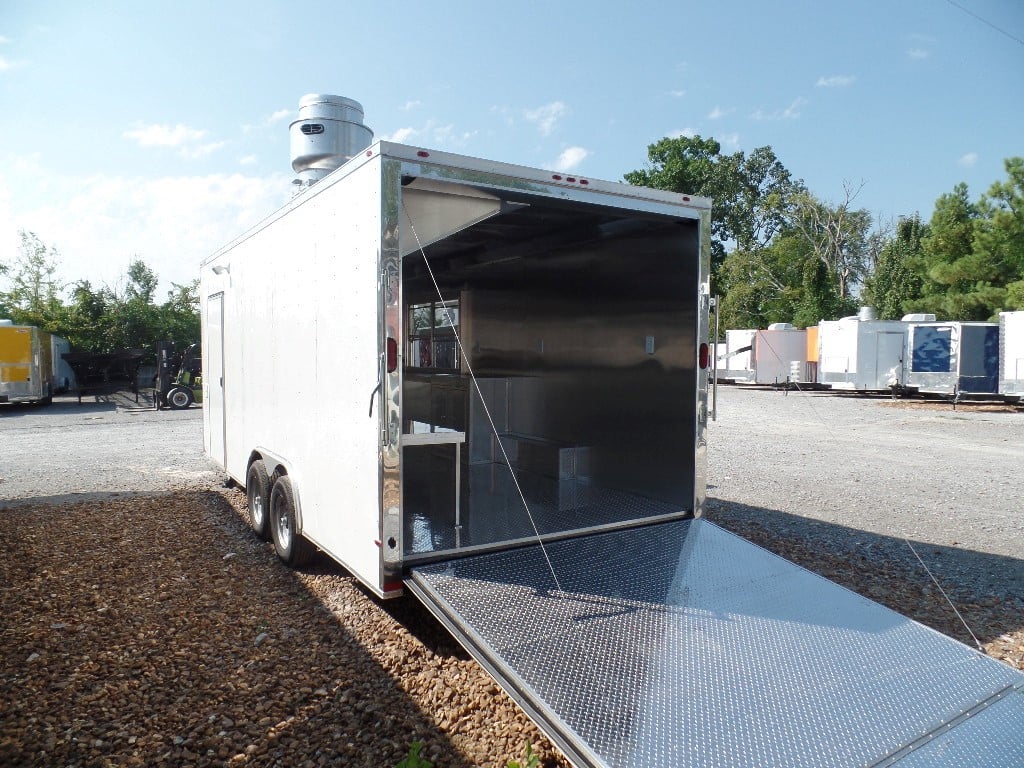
(782, 254)
(100, 320)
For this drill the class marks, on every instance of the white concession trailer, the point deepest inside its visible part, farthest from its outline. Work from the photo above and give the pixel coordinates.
(487, 384)
(861, 353)
(779, 354)
(952, 358)
(1011, 354)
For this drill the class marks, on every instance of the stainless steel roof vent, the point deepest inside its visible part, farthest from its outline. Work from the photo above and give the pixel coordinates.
(328, 132)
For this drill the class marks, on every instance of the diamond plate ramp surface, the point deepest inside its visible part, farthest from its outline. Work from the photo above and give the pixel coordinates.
(680, 644)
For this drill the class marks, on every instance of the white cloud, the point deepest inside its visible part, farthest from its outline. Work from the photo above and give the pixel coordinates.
(409, 105)
(918, 53)
(968, 160)
(678, 94)
(100, 223)
(431, 133)
(164, 135)
(835, 81)
(188, 141)
(4, 40)
(401, 135)
(680, 132)
(792, 112)
(202, 150)
(546, 116)
(570, 159)
(730, 141)
(718, 113)
(6, 65)
(247, 160)
(278, 116)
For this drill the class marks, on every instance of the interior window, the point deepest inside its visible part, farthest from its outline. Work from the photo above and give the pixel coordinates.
(432, 329)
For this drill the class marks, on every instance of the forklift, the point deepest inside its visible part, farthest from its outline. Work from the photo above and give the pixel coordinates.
(179, 376)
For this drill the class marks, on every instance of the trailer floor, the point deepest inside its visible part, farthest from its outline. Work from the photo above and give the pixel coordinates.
(682, 644)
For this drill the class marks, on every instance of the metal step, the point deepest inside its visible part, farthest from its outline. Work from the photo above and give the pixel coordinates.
(680, 644)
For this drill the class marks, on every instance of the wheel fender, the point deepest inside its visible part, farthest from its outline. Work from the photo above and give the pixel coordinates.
(278, 465)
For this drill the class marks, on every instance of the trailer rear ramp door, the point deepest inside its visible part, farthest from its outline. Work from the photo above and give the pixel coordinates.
(680, 644)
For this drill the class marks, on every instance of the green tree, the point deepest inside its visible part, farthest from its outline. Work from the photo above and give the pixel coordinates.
(819, 299)
(33, 295)
(999, 234)
(896, 280)
(752, 196)
(764, 285)
(142, 282)
(839, 235)
(179, 315)
(86, 319)
(973, 256)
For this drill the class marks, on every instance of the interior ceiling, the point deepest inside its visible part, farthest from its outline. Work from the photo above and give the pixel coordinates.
(497, 246)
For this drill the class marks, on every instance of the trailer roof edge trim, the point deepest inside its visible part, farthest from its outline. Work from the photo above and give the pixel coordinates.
(543, 182)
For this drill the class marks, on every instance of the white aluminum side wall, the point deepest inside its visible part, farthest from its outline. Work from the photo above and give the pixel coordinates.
(738, 366)
(859, 354)
(937, 382)
(774, 352)
(1011, 353)
(301, 359)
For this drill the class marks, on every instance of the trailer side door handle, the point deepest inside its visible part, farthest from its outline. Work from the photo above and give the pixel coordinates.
(373, 394)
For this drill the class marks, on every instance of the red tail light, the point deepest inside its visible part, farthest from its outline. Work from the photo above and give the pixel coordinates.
(703, 356)
(392, 354)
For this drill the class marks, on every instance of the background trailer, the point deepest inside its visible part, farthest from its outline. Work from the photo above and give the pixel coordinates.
(26, 364)
(735, 356)
(1011, 353)
(487, 384)
(779, 354)
(952, 358)
(858, 354)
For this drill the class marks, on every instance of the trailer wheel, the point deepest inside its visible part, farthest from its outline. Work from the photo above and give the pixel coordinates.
(257, 494)
(288, 543)
(180, 397)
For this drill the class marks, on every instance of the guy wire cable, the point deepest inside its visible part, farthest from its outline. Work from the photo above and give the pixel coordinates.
(905, 539)
(476, 386)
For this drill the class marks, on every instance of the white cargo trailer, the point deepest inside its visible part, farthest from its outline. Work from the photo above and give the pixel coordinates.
(487, 384)
(779, 354)
(952, 358)
(735, 356)
(858, 354)
(1011, 354)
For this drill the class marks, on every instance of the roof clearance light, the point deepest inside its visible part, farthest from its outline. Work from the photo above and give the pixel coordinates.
(556, 177)
(422, 153)
(570, 179)
(584, 181)
(369, 153)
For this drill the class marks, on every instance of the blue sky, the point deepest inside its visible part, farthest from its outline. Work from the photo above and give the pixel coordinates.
(160, 129)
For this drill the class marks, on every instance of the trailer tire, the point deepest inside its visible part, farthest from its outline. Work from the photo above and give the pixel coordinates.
(257, 494)
(290, 546)
(179, 398)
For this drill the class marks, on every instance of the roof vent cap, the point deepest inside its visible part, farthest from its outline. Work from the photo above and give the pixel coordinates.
(327, 134)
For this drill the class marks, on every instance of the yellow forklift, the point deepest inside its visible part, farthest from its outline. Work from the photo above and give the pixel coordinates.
(179, 376)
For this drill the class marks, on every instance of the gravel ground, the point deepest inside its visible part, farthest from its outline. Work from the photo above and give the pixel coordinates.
(144, 625)
(70, 451)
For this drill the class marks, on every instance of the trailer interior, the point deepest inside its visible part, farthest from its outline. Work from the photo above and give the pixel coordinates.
(548, 384)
